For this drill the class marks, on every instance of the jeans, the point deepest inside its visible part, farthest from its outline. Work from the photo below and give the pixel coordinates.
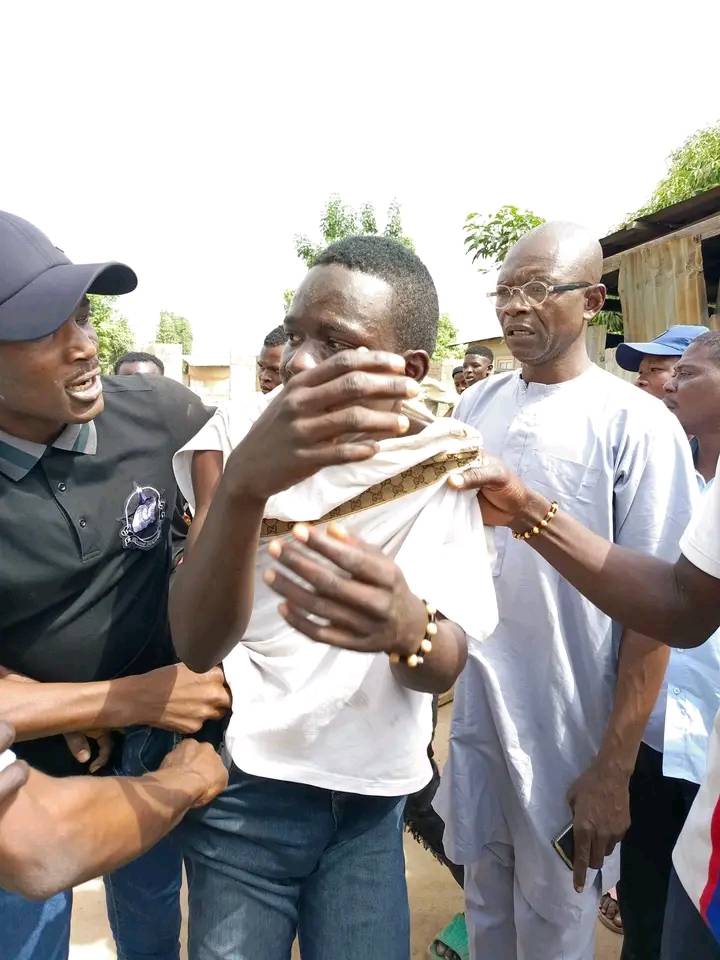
(659, 806)
(685, 934)
(143, 897)
(269, 859)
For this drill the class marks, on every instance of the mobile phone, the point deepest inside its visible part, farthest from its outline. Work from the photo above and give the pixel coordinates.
(564, 846)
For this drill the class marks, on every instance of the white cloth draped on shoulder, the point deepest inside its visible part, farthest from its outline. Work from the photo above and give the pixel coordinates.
(309, 713)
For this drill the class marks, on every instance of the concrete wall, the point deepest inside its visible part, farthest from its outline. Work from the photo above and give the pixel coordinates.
(171, 356)
(212, 384)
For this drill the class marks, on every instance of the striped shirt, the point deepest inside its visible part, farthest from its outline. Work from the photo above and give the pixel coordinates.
(18, 457)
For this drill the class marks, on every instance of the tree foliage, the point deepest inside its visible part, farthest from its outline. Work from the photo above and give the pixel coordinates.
(288, 295)
(692, 169)
(339, 220)
(447, 335)
(489, 239)
(113, 331)
(174, 328)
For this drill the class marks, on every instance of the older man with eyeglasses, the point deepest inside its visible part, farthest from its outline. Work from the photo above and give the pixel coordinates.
(550, 710)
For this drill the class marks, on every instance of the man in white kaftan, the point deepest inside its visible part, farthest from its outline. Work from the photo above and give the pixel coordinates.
(533, 704)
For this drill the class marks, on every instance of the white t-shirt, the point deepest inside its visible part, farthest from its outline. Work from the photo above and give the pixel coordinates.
(697, 854)
(309, 713)
(683, 717)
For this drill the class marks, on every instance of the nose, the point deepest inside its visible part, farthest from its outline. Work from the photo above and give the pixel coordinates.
(79, 340)
(670, 385)
(515, 305)
(641, 381)
(301, 359)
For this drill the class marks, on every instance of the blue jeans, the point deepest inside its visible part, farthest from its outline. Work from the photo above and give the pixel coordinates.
(268, 860)
(143, 897)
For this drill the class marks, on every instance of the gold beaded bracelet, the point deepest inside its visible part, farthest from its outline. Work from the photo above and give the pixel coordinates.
(535, 531)
(431, 629)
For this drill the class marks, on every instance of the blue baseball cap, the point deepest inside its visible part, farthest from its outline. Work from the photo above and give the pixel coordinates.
(39, 287)
(673, 343)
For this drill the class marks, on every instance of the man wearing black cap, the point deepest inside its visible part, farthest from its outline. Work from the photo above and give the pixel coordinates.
(654, 361)
(85, 484)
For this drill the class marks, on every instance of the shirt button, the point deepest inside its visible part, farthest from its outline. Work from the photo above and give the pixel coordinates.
(82, 521)
(62, 487)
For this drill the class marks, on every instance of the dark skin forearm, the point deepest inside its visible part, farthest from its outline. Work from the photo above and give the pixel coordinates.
(44, 709)
(56, 833)
(641, 669)
(441, 667)
(211, 599)
(674, 603)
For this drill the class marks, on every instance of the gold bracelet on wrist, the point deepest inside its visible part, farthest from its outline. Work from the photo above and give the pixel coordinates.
(431, 628)
(538, 528)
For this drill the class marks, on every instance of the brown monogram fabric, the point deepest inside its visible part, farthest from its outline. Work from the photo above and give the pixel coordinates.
(414, 478)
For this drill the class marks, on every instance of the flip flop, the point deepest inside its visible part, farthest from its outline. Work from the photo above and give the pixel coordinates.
(608, 922)
(454, 938)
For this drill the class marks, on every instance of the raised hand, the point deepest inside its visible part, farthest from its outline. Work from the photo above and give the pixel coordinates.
(333, 413)
(362, 594)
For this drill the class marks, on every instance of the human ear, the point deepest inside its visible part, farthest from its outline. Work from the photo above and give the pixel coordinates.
(417, 364)
(594, 300)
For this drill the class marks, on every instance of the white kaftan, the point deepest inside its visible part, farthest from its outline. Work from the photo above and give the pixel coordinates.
(534, 700)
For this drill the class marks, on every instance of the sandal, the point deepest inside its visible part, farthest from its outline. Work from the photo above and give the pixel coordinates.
(609, 912)
(452, 941)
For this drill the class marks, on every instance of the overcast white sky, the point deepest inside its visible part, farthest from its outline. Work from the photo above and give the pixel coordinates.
(194, 140)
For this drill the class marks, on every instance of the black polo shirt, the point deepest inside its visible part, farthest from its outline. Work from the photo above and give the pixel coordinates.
(86, 543)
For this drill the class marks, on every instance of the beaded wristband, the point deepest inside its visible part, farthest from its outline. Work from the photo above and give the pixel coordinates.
(535, 531)
(431, 628)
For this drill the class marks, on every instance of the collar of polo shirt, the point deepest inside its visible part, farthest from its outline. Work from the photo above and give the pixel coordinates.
(18, 457)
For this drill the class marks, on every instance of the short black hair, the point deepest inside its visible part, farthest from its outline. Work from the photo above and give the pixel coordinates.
(138, 357)
(276, 337)
(480, 352)
(711, 340)
(458, 370)
(415, 310)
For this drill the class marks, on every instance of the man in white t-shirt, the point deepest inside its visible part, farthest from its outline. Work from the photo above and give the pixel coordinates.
(679, 604)
(331, 720)
(672, 758)
(549, 712)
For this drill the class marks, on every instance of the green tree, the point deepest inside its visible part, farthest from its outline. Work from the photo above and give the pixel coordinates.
(692, 169)
(174, 328)
(288, 295)
(489, 239)
(447, 335)
(339, 220)
(113, 331)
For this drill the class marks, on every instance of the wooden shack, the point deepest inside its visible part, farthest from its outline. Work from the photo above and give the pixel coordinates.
(663, 269)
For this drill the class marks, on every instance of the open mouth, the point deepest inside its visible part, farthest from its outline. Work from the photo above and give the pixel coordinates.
(518, 332)
(87, 390)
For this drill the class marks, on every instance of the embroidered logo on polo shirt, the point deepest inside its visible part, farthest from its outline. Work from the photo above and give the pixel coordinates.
(145, 510)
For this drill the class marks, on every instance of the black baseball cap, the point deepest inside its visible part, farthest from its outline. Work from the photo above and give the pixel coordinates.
(40, 288)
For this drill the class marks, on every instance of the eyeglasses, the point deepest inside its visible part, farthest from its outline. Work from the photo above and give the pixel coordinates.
(534, 292)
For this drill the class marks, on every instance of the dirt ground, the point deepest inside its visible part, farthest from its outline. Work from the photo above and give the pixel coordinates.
(434, 899)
